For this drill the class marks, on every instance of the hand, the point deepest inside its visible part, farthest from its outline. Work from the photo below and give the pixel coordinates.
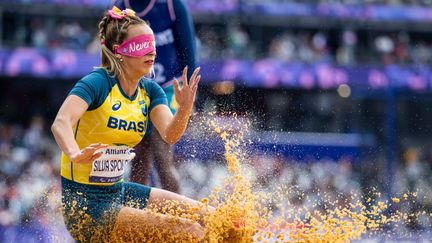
(87, 154)
(185, 96)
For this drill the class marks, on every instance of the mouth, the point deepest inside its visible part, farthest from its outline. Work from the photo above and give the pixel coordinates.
(149, 62)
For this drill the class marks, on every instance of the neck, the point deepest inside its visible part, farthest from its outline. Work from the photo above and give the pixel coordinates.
(129, 84)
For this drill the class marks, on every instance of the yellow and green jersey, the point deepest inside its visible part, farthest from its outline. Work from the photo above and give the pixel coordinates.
(112, 118)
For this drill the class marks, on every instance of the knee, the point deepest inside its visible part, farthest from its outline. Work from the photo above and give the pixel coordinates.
(197, 231)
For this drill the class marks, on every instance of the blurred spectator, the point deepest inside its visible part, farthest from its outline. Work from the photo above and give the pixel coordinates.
(244, 40)
(346, 52)
(305, 51)
(39, 36)
(27, 168)
(238, 42)
(384, 45)
(283, 48)
(48, 32)
(414, 168)
(413, 182)
(73, 36)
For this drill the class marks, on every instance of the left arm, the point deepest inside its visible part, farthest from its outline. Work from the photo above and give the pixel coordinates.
(170, 127)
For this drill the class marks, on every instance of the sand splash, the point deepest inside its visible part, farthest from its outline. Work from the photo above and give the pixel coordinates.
(246, 214)
(237, 208)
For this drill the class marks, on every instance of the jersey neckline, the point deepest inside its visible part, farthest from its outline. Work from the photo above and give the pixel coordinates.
(130, 98)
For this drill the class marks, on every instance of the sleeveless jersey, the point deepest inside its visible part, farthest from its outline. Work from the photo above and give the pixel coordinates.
(112, 118)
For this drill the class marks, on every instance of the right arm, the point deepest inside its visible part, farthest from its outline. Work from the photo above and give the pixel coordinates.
(170, 127)
(68, 115)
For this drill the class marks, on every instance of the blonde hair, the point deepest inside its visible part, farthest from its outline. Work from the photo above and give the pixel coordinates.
(111, 32)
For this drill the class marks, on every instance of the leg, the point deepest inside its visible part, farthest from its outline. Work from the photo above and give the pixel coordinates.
(141, 165)
(140, 220)
(163, 156)
(136, 225)
(163, 201)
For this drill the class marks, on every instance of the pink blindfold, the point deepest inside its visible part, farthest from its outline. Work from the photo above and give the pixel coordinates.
(138, 46)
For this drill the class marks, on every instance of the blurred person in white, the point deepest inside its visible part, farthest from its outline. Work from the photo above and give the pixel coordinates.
(385, 46)
(415, 172)
(104, 116)
(239, 45)
(39, 35)
(346, 52)
(283, 47)
(34, 136)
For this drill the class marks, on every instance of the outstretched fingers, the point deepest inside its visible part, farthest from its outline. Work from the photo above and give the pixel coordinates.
(184, 76)
(89, 154)
(176, 87)
(94, 147)
(195, 84)
(193, 78)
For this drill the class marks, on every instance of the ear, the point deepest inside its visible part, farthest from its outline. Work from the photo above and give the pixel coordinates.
(115, 46)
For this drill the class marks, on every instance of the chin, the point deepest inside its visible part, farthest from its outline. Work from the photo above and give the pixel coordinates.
(146, 72)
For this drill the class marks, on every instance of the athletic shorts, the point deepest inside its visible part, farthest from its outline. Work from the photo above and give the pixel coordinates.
(90, 211)
(172, 104)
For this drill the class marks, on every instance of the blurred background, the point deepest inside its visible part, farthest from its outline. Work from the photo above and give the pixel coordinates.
(337, 92)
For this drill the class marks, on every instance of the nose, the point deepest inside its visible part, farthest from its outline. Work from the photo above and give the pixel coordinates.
(152, 54)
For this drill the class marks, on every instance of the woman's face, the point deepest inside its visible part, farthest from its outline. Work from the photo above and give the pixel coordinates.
(139, 66)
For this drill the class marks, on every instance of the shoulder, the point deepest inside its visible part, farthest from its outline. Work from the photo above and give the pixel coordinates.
(97, 76)
(99, 79)
(152, 88)
(154, 91)
(94, 87)
(149, 85)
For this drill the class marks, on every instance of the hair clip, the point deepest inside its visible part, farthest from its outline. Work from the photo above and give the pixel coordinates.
(116, 13)
(129, 12)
